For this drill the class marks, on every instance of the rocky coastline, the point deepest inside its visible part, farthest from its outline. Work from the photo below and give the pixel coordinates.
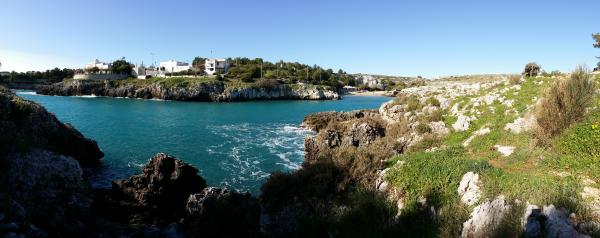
(211, 91)
(342, 189)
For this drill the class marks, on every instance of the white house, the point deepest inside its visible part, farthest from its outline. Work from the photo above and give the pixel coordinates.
(97, 63)
(143, 72)
(173, 66)
(211, 66)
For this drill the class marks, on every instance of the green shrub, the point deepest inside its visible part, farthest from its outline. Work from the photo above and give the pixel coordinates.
(436, 115)
(433, 101)
(267, 84)
(563, 104)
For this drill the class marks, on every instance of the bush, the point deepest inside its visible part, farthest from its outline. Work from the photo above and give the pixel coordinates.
(433, 101)
(267, 84)
(532, 70)
(411, 101)
(564, 103)
(436, 115)
(423, 128)
(514, 79)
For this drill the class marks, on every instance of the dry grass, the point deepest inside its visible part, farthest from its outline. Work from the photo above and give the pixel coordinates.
(514, 79)
(564, 103)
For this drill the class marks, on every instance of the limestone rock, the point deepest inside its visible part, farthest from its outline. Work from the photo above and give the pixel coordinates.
(485, 218)
(159, 192)
(521, 124)
(504, 150)
(558, 224)
(439, 128)
(45, 190)
(199, 91)
(219, 212)
(480, 132)
(468, 189)
(23, 122)
(365, 134)
(463, 122)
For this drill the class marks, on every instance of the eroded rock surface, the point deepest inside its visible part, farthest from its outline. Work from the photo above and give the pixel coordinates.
(468, 189)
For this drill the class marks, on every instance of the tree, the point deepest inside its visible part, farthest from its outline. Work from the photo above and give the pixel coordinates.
(121, 67)
(198, 63)
(531, 70)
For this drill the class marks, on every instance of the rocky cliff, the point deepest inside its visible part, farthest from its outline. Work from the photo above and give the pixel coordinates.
(42, 191)
(25, 124)
(209, 91)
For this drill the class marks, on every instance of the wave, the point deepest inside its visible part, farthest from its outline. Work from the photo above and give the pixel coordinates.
(86, 96)
(251, 149)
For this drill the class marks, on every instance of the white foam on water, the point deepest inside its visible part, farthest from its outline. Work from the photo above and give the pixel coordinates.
(86, 96)
(251, 149)
(25, 93)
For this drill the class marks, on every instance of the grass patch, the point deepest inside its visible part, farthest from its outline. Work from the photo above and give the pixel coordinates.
(167, 82)
(438, 173)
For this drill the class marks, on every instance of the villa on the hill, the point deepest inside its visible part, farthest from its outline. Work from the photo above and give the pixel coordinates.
(173, 66)
(102, 66)
(212, 66)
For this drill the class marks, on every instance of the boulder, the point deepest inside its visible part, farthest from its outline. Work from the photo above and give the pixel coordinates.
(219, 212)
(463, 122)
(505, 150)
(158, 194)
(365, 134)
(468, 189)
(558, 225)
(485, 218)
(44, 190)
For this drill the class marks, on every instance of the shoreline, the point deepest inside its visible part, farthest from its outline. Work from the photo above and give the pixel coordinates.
(369, 93)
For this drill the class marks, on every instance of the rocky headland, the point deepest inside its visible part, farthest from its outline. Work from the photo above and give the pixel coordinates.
(204, 91)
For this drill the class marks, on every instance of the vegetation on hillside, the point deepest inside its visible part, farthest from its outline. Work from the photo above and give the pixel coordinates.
(542, 175)
(248, 70)
(53, 75)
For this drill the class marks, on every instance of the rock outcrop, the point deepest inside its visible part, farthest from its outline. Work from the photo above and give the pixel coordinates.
(170, 195)
(25, 124)
(210, 91)
(45, 195)
(159, 192)
(485, 218)
(468, 188)
(42, 190)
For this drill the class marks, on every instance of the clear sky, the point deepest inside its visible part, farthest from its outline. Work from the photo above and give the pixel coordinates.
(428, 37)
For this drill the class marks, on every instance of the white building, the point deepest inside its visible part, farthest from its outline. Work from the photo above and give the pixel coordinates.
(97, 63)
(143, 72)
(211, 66)
(173, 66)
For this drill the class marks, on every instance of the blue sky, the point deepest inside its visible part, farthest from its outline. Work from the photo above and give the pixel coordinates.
(429, 38)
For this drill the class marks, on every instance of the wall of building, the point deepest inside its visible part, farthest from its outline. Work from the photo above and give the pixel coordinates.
(100, 76)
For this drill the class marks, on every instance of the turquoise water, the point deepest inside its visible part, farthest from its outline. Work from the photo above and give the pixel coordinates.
(232, 144)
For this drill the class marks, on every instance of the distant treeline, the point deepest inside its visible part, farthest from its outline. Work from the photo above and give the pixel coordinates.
(50, 76)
